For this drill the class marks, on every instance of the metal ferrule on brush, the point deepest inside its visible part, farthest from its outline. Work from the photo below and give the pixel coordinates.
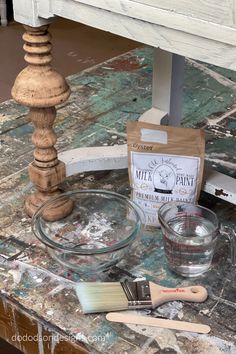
(138, 294)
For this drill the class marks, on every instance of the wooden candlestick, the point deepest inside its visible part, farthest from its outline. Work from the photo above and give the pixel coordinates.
(41, 88)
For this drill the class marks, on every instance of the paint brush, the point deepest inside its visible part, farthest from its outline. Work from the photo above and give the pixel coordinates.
(115, 296)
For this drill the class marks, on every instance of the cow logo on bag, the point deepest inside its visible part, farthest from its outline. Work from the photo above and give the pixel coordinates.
(164, 179)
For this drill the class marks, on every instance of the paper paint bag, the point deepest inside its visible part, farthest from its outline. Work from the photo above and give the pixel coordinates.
(165, 164)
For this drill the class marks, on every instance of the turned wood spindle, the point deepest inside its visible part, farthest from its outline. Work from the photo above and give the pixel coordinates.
(41, 88)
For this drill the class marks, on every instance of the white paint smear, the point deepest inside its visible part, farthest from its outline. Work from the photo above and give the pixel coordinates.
(212, 344)
(81, 337)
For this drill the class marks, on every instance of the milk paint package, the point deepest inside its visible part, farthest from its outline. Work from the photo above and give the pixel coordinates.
(165, 164)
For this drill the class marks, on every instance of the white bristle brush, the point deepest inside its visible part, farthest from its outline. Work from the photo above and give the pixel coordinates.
(105, 297)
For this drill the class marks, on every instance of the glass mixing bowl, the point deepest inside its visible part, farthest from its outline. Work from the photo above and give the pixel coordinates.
(96, 234)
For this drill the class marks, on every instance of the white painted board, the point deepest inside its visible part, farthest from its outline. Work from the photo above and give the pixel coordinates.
(219, 11)
(96, 158)
(168, 39)
(180, 21)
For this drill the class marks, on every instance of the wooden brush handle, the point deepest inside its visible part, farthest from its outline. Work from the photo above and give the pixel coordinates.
(157, 322)
(160, 294)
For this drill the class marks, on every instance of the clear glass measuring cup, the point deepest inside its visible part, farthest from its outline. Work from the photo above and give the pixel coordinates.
(190, 232)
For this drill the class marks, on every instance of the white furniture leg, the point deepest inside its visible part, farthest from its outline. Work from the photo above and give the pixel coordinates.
(3, 12)
(26, 12)
(167, 89)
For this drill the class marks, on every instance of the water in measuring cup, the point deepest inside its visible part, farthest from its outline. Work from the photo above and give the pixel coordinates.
(191, 253)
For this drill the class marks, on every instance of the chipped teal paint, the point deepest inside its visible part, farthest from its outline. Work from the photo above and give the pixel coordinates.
(28, 285)
(21, 131)
(231, 125)
(224, 72)
(153, 261)
(24, 177)
(203, 96)
(12, 109)
(19, 293)
(222, 146)
(148, 238)
(75, 277)
(170, 280)
(104, 335)
(109, 102)
(223, 169)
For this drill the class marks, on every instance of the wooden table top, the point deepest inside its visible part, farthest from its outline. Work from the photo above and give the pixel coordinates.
(37, 295)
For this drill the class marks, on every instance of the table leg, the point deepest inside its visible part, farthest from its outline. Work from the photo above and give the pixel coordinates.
(167, 89)
(40, 87)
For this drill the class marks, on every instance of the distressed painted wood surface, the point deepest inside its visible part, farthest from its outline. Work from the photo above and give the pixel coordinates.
(209, 10)
(102, 100)
(200, 30)
(175, 15)
(32, 334)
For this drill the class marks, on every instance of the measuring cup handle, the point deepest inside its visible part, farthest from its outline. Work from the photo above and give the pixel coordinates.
(230, 233)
